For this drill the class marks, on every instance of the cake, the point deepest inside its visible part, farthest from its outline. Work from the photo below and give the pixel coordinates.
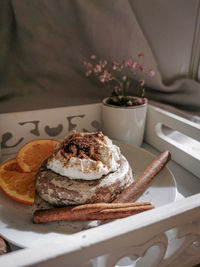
(84, 168)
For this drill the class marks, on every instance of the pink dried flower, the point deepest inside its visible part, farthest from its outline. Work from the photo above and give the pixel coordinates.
(134, 65)
(121, 82)
(121, 66)
(97, 68)
(105, 77)
(139, 101)
(104, 63)
(141, 67)
(88, 73)
(128, 63)
(145, 69)
(89, 65)
(108, 76)
(114, 65)
(84, 63)
(144, 100)
(142, 83)
(102, 78)
(93, 56)
(151, 73)
(117, 89)
(114, 99)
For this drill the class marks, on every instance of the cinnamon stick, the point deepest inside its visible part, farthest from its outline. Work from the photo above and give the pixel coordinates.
(111, 214)
(132, 192)
(98, 211)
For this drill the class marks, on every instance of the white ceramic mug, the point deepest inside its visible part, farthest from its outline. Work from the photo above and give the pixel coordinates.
(125, 124)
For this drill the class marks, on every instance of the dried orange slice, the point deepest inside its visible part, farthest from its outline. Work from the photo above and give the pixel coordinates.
(31, 155)
(16, 184)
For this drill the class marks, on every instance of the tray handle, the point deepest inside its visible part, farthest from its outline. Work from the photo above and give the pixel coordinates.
(166, 130)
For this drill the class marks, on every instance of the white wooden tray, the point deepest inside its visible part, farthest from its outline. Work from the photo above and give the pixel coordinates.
(170, 232)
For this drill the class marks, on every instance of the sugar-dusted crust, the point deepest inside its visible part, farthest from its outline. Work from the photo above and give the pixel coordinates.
(59, 190)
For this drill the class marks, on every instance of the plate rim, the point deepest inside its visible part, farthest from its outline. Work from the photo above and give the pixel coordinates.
(20, 245)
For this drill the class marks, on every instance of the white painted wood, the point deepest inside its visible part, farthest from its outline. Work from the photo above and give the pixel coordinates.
(187, 153)
(134, 234)
(20, 127)
(171, 232)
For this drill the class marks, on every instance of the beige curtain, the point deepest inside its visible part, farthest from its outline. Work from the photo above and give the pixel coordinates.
(44, 42)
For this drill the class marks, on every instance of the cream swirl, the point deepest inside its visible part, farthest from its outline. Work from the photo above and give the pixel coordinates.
(86, 156)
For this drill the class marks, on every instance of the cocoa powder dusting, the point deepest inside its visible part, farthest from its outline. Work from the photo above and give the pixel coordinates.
(82, 146)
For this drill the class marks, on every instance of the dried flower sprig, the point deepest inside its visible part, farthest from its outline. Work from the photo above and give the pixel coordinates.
(117, 76)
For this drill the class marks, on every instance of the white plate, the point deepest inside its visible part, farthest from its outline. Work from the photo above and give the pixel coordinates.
(16, 219)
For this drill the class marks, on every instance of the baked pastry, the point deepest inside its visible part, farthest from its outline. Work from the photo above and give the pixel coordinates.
(84, 168)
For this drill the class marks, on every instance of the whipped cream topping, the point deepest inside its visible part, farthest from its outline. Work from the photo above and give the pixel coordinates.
(86, 156)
